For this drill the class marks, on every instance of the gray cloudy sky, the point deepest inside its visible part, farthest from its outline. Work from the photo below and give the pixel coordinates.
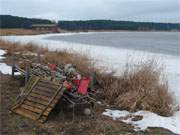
(135, 10)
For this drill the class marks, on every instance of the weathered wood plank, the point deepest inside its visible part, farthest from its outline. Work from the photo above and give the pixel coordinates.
(33, 104)
(59, 90)
(48, 86)
(36, 110)
(37, 100)
(40, 96)
(49, 82)
(37, 103)
(41, 88)
(42, 92)
(26, 113)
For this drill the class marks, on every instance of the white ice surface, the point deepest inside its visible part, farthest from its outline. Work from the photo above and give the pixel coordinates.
(149, 119)
(113, 58)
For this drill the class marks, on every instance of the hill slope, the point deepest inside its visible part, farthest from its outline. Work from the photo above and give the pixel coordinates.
(8, 21)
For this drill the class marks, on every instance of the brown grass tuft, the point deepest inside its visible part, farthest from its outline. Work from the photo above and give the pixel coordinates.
(139, 89)
(6, 32)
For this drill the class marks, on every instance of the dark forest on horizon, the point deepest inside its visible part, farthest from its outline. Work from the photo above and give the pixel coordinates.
(8, 21)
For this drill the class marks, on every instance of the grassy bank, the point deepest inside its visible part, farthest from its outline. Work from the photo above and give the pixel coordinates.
(8, 32)
(136, 89)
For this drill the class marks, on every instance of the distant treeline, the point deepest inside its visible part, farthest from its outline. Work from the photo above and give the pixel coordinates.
(8, 21)
(116, 25)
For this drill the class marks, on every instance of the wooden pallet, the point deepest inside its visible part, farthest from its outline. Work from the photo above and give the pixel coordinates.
(40, 98)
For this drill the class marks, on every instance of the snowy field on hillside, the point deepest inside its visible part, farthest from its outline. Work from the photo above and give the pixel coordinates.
(116, 59)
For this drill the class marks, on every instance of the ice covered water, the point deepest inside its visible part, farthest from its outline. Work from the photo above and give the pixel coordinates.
(156, 42)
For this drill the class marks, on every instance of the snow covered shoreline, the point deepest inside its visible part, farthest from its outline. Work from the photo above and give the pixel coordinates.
(117, 58)
(110, 58)
(149, 119)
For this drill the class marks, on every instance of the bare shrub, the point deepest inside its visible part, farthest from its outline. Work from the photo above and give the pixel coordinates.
(140, 88)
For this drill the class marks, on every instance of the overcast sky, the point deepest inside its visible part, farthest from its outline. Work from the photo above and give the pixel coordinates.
(135, 10)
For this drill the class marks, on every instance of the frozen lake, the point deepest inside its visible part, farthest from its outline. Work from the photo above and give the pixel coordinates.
(156, 42)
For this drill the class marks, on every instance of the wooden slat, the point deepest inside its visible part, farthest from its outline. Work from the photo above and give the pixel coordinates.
(29, 114)
(40, 96)
(37, 100)
(59, 90)
(19, 69)
(27, 92)
(48, 86)
(42, 119)
(41, 88)
(42, 92)
(36, 110)
(37, 97)
(32, 109)
(40, 105)
(26, 113)
(51, 92)
(33, 104)
(49, 82)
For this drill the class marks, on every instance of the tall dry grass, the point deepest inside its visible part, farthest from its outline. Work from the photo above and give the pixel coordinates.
(140, 88)
(13, 47)
(136, 89)
(81, 62)
(7, 32)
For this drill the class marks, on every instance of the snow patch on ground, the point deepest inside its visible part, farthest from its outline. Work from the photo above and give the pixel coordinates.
(4, 68)
(2, 52)
(149, 119)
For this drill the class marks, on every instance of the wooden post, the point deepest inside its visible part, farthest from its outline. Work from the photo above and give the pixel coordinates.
(39, 57)
(92, 80)
(13, 66)
(13, 69)
(27, 72)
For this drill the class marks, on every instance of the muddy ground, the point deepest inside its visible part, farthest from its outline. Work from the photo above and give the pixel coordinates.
(60, 121)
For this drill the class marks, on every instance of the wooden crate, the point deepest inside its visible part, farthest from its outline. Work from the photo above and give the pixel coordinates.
(40, 98)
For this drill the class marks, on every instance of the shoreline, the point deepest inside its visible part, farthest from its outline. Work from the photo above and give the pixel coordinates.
(124, 31)
(21, 32)
(109, 60)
